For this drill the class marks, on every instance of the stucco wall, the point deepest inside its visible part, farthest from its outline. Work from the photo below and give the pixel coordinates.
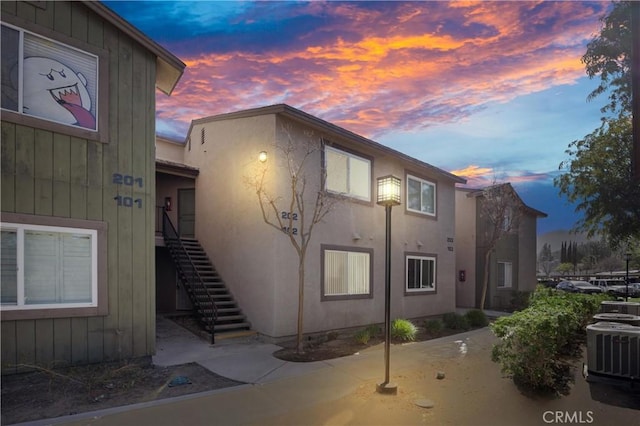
(528, 253)
(258, 262)
(466, 248)
(168, 150)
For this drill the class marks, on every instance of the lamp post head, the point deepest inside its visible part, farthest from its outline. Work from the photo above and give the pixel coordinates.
(389, 191)
(627, 256)
(262, 156)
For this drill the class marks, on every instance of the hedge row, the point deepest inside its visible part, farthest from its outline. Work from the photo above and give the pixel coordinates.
(537, 345)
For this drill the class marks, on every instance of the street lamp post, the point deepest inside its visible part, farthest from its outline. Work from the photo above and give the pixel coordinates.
(627, 258)
(388, 196)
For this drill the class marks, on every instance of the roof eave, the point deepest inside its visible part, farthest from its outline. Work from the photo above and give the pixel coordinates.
(308, 119)
(169, 67)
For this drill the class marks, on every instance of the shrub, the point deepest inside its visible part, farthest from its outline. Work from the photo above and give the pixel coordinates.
(519, 300)
(403, 329)
(455, 321)
(374, 330)
(536, 344)
(476, 318)
(433, 326)
(362, 336)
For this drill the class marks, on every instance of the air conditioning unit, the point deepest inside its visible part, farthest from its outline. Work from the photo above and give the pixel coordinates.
(613, 351)
(612, 306)
(621, 318)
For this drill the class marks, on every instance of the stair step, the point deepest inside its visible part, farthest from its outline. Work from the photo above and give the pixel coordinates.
(227, 318)
(226, 311)
(209, 293)
(238, 326)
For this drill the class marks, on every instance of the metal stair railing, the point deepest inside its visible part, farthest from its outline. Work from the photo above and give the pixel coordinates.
(187, 270)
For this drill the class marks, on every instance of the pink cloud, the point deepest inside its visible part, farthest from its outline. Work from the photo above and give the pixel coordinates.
(403, 72)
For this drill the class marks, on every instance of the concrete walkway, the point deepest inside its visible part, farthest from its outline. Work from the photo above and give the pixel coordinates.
(342, 391)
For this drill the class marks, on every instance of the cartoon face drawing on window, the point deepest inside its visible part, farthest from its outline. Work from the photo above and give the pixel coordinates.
(54, 91)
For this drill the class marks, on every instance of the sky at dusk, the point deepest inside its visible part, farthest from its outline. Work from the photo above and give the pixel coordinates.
(491, 91)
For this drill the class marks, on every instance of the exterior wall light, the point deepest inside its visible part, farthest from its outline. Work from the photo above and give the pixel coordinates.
(388, 196)
(262, 156)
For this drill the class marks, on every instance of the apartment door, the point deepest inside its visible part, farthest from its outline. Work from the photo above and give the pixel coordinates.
(187, 212)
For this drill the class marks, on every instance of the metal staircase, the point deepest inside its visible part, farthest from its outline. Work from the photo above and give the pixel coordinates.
(214, 306)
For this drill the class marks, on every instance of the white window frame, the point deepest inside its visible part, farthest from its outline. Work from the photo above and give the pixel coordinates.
(63, 46)
(435, 195)
(349, 185)
(368, 273)
(20, 229)
(506, 281)
(421, 258)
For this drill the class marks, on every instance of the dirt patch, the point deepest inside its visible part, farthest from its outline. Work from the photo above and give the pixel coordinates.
(53, 393)
(333, 345)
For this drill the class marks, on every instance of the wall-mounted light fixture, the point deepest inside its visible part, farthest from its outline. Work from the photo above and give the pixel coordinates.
(262, 156)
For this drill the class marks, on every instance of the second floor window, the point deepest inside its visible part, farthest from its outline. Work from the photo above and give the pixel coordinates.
(348, 174)
(421, 196)
(48, 80)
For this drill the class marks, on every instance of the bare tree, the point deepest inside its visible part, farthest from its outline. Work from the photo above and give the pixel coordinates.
(546, 259)
(500, 209)
(303, 205)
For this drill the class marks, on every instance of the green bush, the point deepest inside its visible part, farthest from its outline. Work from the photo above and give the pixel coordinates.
(403, 329)
(455, 321)
(362, 336)
(476, 318)
(519, 300)
(537, 345)
(374, 330)
(433, 326)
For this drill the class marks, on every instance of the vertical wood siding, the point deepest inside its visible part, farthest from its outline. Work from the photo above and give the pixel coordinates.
(52, 174)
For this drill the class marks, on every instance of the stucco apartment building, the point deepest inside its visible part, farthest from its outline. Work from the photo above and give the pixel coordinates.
(344, 268)
(512, 263)
(78, 184)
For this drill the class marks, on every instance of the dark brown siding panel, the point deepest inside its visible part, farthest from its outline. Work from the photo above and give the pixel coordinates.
(140, 151)
(79, 350)
(94, 181)
(43, 173)
(62, 17)
(110, 210)
(8, 164)
(8, 7)
(44, 342)
(125, 223)
(8, 347)
(78, 179)
(26, 348)
(79, 23)
(44, 16)
(25, 158)
(61, 175)
(62, 341)
(95, 339)
(26, 11)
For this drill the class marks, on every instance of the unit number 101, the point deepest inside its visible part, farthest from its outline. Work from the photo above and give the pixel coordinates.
(128, 201)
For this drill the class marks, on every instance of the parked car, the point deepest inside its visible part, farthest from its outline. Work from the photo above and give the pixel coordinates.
(621, 290)
(615, 287)
(548, 283)
(574, 286)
